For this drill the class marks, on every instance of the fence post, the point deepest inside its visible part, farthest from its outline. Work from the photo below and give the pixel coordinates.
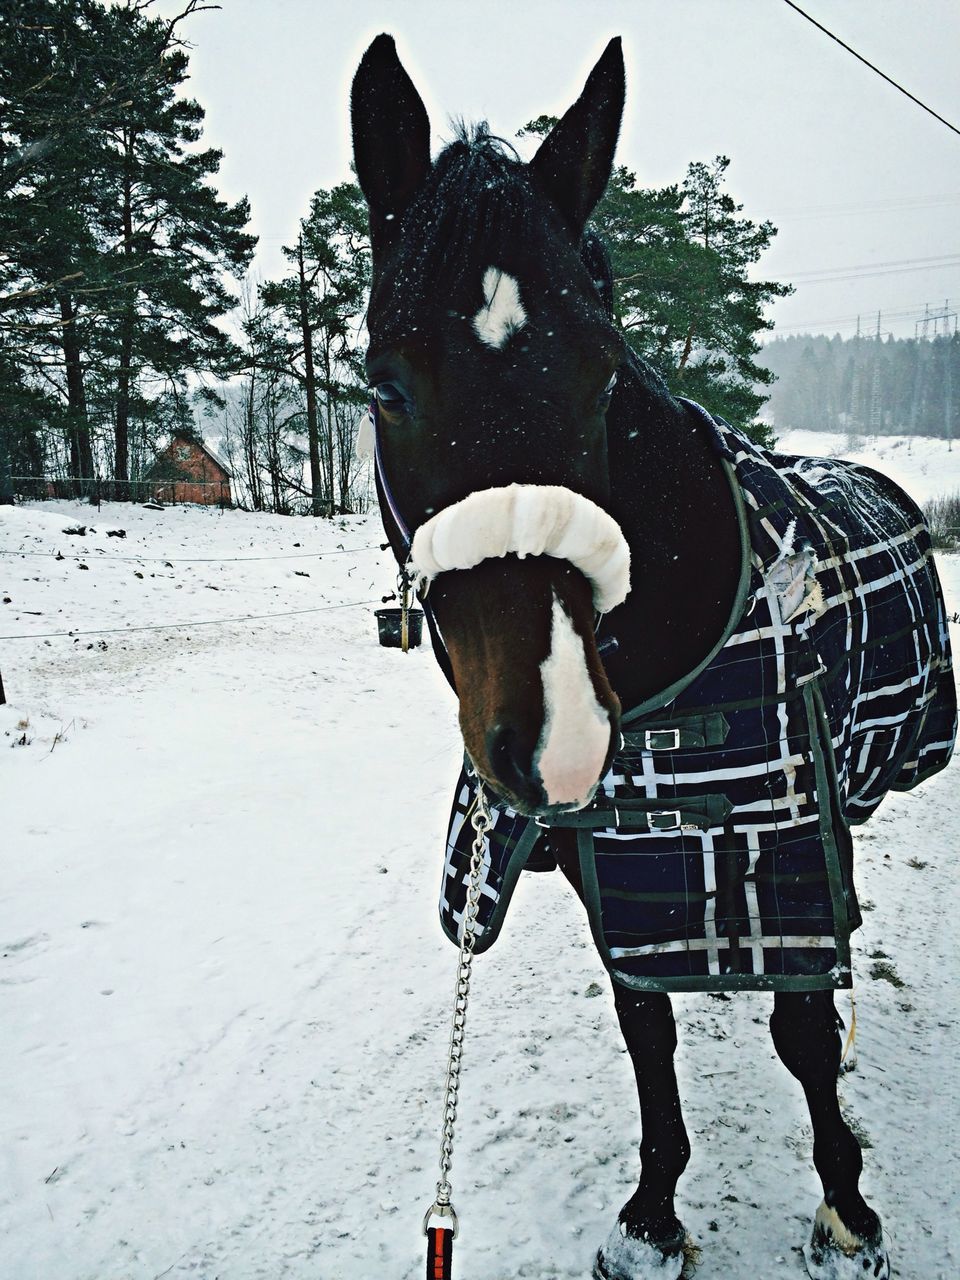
(3, 696)
(6, 479)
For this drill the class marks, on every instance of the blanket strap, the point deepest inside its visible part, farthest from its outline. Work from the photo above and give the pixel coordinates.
(708, 730)
(848, 1058)
(699, 812)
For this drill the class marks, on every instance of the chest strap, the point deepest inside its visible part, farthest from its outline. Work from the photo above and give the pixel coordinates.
(708, 730)
(698, 813)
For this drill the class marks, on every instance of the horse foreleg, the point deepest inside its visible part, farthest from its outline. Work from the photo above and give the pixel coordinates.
(648, 1239)
(650, 1032)
(847, 1238)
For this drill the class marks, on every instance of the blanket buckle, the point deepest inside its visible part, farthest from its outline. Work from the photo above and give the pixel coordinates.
(663, 819)
(661, 739)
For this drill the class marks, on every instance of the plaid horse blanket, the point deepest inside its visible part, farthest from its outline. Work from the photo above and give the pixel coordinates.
(717, 853)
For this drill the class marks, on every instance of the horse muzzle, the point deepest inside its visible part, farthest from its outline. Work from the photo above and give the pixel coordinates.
(523, 572)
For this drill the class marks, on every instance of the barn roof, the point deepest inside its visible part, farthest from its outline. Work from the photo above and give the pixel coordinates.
(214, 457)
(152, 470)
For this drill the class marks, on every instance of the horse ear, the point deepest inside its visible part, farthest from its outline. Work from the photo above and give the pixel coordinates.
(391, 136)
(574, 161)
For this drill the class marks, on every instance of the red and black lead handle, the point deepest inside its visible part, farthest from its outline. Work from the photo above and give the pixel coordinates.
(439, 1253)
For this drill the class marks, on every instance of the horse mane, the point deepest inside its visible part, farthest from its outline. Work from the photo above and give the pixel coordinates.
(478, 138)
(477, 199)
(596, 258)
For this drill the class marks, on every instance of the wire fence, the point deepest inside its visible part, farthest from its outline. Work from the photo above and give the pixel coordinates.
(109, 558)
(99, 556)
(196, 622)
(98, 489)
(180, 626)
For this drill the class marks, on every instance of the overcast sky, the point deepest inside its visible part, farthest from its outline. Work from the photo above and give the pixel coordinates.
(861, 182)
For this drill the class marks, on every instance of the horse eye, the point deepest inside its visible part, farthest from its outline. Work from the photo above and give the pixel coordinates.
(391, 397)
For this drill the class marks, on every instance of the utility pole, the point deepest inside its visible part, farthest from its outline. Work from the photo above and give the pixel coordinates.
(855, 385)
(945, 315)
(934, 318)
(948, 391)
(875, 389)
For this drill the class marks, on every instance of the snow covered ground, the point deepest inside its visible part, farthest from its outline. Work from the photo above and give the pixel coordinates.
(224, 995)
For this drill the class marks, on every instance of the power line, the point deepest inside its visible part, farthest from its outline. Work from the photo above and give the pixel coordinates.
(813, 325)
(837, 323)
(870, 275)
(861, 58)
(802, 212)
(905, 314)
(889, 268)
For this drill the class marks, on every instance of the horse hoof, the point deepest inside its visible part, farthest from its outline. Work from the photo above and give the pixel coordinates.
(835, 1253)
(624, 1257)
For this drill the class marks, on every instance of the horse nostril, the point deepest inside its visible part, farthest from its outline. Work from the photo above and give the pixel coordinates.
(512, 764)
(507, 759)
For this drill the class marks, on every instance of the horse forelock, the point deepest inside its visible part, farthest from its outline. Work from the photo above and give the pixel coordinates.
(479, 206)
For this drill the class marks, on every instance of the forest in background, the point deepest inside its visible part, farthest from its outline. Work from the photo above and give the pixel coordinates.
(128, 311)
(865, 386)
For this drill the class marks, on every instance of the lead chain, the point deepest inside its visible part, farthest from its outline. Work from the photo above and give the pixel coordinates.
(481, 821)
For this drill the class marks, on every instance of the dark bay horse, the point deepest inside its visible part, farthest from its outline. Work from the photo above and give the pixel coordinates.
(524, 459)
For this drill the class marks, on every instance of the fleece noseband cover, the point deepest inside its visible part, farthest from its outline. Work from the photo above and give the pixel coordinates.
(527, 520)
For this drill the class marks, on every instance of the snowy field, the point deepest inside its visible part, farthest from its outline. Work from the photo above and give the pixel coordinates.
(224, 994)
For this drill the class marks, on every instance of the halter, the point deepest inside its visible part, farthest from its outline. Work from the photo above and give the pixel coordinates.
(516, 519)
(400, 534)
(403, 533)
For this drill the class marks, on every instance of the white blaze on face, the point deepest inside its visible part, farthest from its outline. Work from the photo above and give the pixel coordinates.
(576, 730)
(503, 315)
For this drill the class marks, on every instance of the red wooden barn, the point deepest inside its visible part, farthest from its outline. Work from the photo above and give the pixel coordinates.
(189, 471)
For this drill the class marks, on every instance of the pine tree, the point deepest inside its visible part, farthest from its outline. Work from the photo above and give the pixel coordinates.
(865, 385)
(727, 310)
(175, 242)
(118, 245)
(321, 301)
(681, 257)
(262, 417)
(50, 164)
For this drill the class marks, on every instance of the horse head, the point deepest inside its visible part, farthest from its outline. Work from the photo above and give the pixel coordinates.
(493, 361)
